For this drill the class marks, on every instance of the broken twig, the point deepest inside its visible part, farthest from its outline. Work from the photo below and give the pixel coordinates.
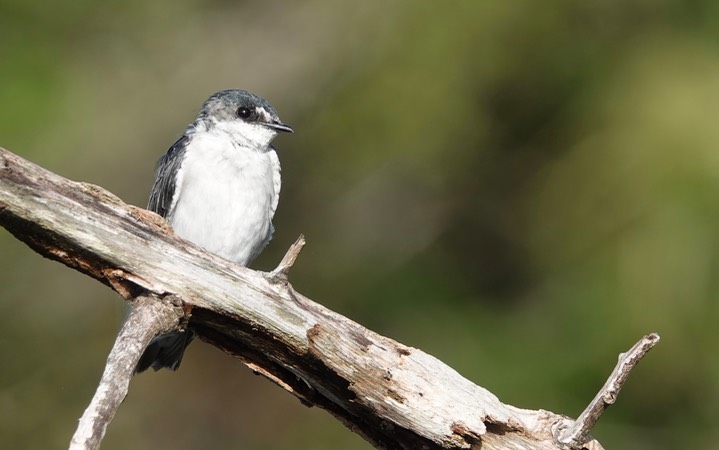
(282, 271)
(573, 437)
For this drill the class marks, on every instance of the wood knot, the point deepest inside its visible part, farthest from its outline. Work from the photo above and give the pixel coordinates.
(314, 332)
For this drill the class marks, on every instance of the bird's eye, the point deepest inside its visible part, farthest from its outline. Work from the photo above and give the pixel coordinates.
(244, 112)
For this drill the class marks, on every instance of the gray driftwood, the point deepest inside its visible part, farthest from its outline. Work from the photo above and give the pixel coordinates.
(395, 396)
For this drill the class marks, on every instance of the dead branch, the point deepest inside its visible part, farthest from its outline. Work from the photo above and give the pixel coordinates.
(395, 396)
(573, 437)
(149, 316)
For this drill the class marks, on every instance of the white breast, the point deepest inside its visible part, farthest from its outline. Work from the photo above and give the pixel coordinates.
(226, 196)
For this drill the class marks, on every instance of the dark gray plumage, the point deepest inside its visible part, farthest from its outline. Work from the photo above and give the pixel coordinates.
(167, 169)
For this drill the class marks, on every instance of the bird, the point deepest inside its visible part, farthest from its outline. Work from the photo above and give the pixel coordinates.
(218, 186)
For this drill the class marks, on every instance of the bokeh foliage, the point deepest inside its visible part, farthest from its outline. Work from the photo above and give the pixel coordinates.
(522, 190)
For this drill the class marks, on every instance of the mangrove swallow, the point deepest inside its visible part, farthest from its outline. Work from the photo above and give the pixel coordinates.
(218, 186)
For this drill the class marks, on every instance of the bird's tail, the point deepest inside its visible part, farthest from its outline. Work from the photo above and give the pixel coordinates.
(165, 351)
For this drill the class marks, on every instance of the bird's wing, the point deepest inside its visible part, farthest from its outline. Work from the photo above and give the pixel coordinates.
(276, 180)
(163, 190)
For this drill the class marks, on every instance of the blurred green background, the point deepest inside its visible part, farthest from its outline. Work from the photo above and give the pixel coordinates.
(521, 190)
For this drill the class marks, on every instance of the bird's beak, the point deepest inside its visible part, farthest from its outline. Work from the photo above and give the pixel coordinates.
(279, 126)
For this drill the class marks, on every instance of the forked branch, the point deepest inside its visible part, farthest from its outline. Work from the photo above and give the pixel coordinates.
(395, 396)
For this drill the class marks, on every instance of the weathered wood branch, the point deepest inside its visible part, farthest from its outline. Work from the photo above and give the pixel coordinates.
(148, 317)
(573, 436)
(395, 396)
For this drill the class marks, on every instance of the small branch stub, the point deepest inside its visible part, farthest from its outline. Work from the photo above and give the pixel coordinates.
(281, 273)
(574, 436)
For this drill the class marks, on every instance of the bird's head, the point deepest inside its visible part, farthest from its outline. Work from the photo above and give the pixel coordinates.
(249, 120)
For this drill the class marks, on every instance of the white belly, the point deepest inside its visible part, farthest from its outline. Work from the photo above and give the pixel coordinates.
(225, 198)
